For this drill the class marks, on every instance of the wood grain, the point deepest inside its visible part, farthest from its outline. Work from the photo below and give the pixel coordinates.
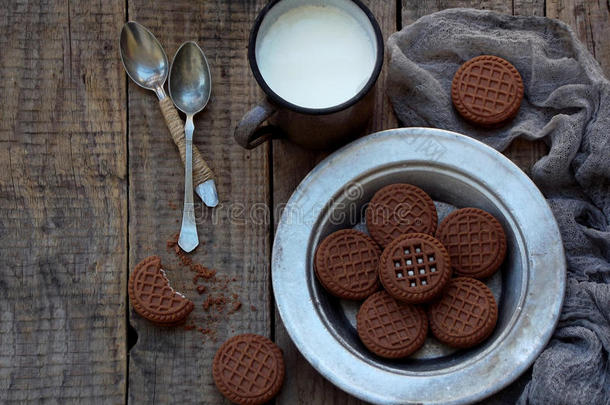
(174, 365)
(590, 20)
(63, 210)
(528, 7)
(290, 164)
(414, 9)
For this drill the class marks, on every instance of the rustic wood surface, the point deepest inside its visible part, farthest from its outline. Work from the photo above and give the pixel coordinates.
(90, 185)
(63, 203)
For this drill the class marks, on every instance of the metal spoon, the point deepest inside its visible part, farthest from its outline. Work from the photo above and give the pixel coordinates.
(146, 64)
(189, 87)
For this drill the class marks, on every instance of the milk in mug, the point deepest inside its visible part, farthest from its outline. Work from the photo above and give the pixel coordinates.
(316, 56)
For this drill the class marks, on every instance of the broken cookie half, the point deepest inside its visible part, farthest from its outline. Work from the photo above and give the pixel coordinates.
(152, 296)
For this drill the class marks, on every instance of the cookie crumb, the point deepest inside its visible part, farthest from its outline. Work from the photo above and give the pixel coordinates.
(236, 306)
(173, 241)
(208, 303)
(184, 257)
(219, 297)
(202, 271)
(220, 302)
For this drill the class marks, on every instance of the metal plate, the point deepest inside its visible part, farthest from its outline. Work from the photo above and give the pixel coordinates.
(456, 171)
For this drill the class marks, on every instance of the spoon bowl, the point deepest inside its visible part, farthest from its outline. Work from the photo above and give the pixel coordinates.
(190, 82)
(143, 57)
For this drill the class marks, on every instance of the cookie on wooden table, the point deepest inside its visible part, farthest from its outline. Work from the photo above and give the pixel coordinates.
(398, 209)
(465, 315)
(248, 369)
(475, 241)
(487, 90)
(346, 264)
(414, 268)
(152, 296)
(390, 328)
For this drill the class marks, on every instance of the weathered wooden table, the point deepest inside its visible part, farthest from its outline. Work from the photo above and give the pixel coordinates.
(90, 184)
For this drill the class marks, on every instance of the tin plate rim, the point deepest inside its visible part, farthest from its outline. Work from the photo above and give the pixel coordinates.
(542, 292)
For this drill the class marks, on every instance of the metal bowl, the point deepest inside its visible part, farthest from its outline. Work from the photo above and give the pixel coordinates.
(456, 171)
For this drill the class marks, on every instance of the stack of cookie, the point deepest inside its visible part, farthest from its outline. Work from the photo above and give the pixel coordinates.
(414, 276)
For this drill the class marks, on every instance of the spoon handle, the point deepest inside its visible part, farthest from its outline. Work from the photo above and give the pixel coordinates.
(201, 170)
(188, 239)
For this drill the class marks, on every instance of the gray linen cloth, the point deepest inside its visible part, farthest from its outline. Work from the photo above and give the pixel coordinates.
(567, 104)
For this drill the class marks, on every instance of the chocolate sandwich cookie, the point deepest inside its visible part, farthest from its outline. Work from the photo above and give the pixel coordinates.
(248, 369)
(398, 209)
(414, 268)
(153, 298)
(346, 264)
(487, 90)
(465, 315)
(390, 328)
(475, 241)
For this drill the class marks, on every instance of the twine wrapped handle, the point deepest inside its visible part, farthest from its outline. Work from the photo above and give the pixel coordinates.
(201, 171)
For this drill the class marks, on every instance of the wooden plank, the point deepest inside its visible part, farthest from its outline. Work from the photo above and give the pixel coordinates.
(414, 9)
(528, 7)
(174, 366)
(590, 19)
(290, 164)
(383, 116)
(63, 212)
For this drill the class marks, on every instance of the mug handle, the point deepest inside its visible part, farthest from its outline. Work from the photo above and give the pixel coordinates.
(249, 134)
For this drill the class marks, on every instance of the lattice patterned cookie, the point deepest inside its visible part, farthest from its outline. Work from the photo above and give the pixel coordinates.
(475, 241)
(398, 209)
(346, 264)
(390, 328)
(487, 90)
(248, 369)
(153, 297)
(465, 315)
(414, 268)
